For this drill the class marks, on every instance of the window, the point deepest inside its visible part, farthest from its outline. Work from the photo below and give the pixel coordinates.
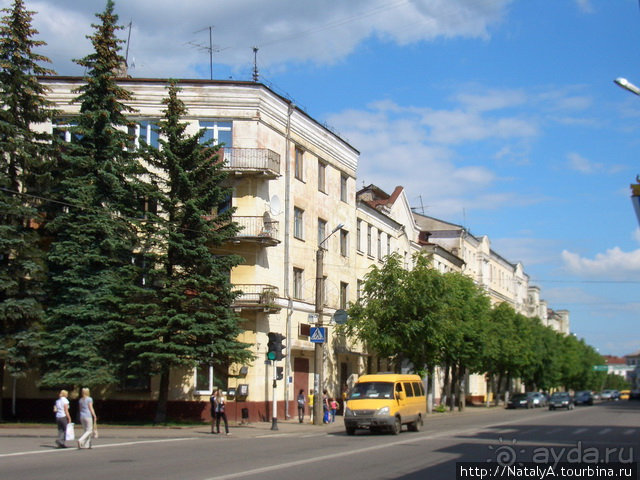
(298, 225)
(359, 292)
(343, 187)
(388, 244)
(408, 389)
(322, 230)
(216, 132)
(379, 245)
(203, 378)
(63, 129)
(344, 291)
(322, 173)
(344, 246)
(143, 132)
(369, 232)
(358, 234)
(297, 283)
(298, 163)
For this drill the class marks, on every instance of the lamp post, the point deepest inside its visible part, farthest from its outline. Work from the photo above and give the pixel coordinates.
(635, 188)
(318, 362)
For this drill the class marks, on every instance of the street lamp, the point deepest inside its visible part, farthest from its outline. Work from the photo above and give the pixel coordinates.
(318, 362)
(635, 188)
(627, 85)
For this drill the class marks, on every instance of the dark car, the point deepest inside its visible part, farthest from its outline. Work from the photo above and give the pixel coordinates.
(561, 400)
(539, 399)
(520, 400)
(634, 394)
(583, 397)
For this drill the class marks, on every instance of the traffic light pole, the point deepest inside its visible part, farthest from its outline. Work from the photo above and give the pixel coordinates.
(274, 409)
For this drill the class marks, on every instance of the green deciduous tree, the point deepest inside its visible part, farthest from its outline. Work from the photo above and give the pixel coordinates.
(467, 310)
(23, 181)
(185, 316)
(94, 232)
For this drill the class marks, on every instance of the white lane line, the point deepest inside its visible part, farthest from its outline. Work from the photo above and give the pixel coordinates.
(109, 445)
(403, 441)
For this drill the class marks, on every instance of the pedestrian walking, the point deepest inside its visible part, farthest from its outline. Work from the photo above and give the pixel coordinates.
(325, 406)
(301, 405)
(310, 403)
(88, 419)
(219, 403)
(333, 404)
(63, 417)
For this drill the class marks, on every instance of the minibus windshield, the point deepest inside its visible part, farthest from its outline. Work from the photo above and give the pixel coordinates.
(372, 390)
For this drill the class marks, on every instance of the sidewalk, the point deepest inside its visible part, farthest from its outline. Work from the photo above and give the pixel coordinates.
(248, 430)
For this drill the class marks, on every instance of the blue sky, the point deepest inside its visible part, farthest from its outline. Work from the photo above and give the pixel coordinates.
(500, 115)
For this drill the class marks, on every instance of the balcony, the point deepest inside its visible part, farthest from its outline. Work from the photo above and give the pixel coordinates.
(251, 161)
(257, 296)
(260, 230)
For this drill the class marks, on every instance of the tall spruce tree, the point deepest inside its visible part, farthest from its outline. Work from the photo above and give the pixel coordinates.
(94, 233)
(23, 161)
(186, 317)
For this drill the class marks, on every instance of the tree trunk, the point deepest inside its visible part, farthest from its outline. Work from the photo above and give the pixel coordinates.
(446, 386)
(2, 365)
(163, 397)
(461, 389)
(454, 391)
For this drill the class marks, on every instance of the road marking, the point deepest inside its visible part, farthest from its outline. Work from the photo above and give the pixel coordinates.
(604, 431)
(403, 441)
(629, 431)
(108, 445)
(579, 430)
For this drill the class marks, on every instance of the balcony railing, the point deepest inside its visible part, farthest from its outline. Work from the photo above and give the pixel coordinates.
(256, 161)
(257, 229)
(257, 296)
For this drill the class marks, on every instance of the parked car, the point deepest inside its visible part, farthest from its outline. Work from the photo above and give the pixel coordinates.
(539, 399)
(610, 395)
(561, 400)
(634, 394)
(520, 400)
(624, 394)
(583, 397)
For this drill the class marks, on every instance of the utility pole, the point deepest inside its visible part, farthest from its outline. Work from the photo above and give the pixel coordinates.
(318, 362)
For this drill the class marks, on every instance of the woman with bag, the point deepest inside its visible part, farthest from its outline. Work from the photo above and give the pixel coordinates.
(63, 418)
(218, 406)
(87, 418)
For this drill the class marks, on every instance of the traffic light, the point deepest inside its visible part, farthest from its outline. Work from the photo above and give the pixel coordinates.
(279, 373)
(275, 346)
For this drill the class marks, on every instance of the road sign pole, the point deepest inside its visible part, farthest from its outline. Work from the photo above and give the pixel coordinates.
(318, 364)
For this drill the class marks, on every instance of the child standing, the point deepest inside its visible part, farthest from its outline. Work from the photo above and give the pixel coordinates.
(334, 408)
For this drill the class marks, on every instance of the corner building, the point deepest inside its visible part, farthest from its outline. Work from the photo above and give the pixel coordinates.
(293, 183)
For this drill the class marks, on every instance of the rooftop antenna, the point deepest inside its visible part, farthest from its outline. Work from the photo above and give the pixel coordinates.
(211, 48)
(126, 55)
(255, 64)
(421, 206)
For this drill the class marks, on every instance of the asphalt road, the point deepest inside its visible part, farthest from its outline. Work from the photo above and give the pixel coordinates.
(490, 436)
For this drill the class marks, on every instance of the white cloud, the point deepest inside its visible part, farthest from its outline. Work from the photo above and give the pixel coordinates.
(580, 164)
(614, 264)
(322, 31)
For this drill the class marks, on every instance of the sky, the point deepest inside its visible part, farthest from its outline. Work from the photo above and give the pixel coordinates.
(498, 115)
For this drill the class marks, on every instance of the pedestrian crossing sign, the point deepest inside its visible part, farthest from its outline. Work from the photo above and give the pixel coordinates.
(318, 334)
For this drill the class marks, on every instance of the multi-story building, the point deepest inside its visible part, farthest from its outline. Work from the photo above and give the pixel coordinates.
(293, 183)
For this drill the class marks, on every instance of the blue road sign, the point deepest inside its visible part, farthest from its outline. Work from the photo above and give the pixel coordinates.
(318, 334)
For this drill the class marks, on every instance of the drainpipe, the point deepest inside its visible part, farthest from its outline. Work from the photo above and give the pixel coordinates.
(287, 259)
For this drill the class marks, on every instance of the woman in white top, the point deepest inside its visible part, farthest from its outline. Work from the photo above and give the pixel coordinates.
(87, 418)
(63, 417)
